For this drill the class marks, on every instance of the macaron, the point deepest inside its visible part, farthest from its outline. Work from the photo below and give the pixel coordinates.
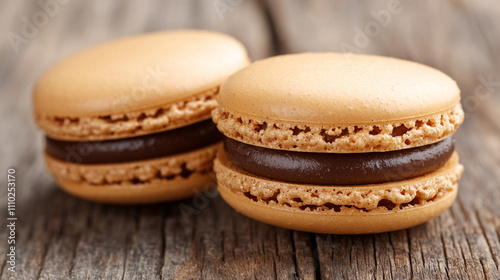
(128, 121)
(338, 143)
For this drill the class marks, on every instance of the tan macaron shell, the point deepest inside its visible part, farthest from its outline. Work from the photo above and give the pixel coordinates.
(327, 223)
(338, 89)
(338, 103)
(143, 72)
(149, 193)
(136, 85)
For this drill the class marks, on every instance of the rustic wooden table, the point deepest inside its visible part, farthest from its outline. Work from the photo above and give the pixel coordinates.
(62, 237)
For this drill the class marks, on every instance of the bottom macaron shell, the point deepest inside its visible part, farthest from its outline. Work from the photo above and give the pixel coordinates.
(140, 182)
(170, 190)
(329, 223)
(350, 210)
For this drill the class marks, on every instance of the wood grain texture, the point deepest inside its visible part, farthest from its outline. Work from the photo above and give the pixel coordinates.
(61, 237)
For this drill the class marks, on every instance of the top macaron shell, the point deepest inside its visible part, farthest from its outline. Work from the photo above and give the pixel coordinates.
(338, 103)
(138, 73)
(338, 89)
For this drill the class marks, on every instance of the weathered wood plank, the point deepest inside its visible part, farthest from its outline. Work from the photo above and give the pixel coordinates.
(306, 260)
(145, 250)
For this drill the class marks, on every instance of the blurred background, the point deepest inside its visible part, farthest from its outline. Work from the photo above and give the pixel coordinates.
(459, 37)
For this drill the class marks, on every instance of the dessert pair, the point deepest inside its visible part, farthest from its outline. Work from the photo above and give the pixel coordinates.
(320, 142)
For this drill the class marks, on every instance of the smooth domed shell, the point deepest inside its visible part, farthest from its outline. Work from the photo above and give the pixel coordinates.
(338, 88)
(139, 72)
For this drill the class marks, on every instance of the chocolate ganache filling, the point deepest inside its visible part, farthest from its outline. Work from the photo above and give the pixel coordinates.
(338, 169)
(156, 145)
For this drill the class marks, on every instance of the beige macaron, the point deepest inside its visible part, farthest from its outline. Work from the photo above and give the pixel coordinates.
(128, 121)
(338, 143)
